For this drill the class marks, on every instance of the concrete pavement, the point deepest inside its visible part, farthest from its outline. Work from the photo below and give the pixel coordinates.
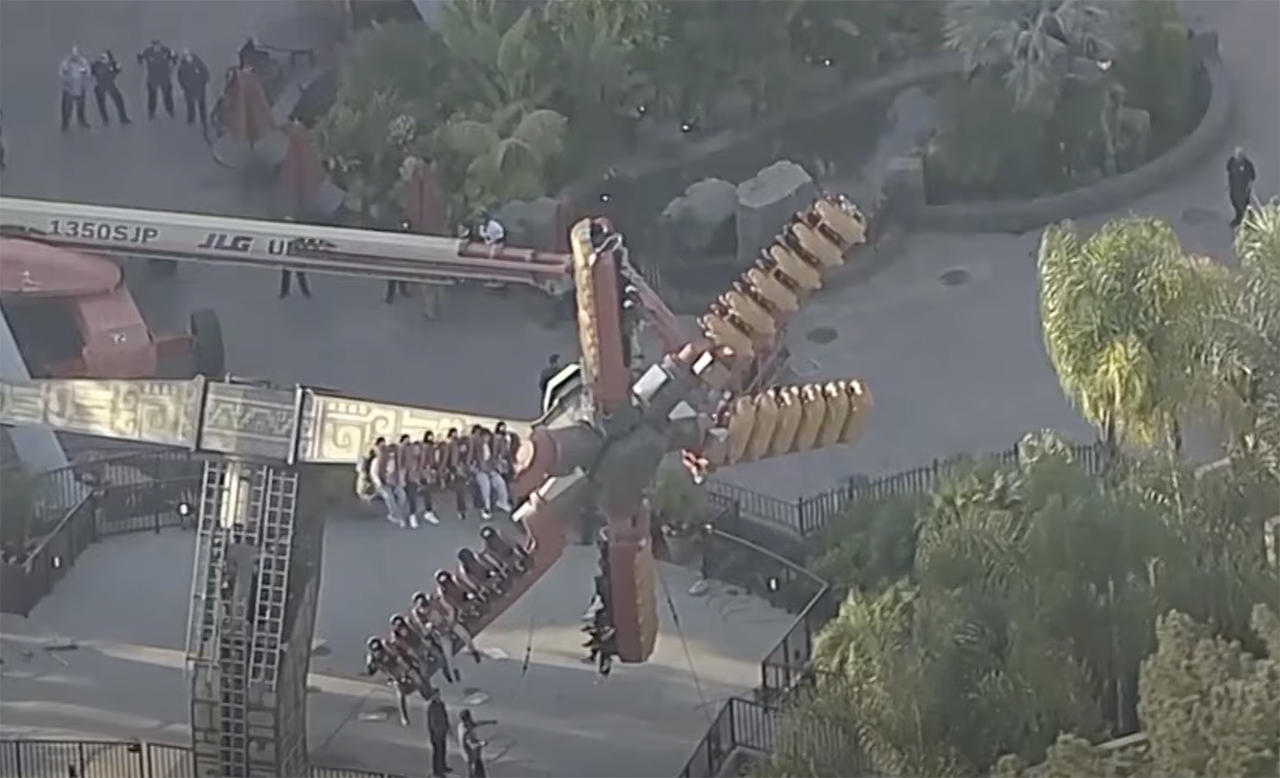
(963, 369)
(126, 604)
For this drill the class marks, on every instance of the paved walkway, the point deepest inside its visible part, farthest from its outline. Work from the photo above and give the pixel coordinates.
(126, 604)
(963, 369)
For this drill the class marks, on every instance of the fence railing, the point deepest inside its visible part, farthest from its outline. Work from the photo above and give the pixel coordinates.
(98, 498)
(806, 516)
(117, 759)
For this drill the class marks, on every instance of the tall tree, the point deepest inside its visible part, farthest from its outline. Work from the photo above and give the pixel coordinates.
(1119, 311)
(1036, 46)
(1242, 330)
(1209, 708)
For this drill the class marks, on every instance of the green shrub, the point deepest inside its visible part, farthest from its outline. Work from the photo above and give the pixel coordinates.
(870, 546)
(1156, 69)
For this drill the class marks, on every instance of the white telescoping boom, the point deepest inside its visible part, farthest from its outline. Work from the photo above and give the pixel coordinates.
(397, 256)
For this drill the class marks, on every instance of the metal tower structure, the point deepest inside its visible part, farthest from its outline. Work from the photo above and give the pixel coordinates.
(252, 620)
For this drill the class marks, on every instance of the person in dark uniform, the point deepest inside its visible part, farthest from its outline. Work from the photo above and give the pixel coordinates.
(193, 80)
(105, 70)
(438, 731)
(159, 60)
(549, 372)
(286, 275)
(1240, 177)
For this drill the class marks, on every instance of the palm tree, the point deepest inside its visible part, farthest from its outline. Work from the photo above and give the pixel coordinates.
(506, 157)
(1243, 331)
(599, 45)
(495, 60)
(1119, 311)
(1038, 46)
(364, 143)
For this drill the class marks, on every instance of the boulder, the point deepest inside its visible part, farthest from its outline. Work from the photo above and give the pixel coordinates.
(766, 202)
(692, 222)
(532, 224)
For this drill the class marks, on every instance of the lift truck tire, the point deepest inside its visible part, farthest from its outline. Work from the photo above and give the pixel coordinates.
(208, 355)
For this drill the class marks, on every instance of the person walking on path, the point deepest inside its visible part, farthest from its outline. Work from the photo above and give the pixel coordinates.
(193, 80)
(1240, 177)
(105, 71)
(73, 77)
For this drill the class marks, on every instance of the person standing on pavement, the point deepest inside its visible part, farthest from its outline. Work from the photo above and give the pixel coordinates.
(1240, 177)
(286, 275)
(438, 733)
(193, 79)
(549, 372)
(73, 77)
(105, 71)
(159, 60)
(471, 744)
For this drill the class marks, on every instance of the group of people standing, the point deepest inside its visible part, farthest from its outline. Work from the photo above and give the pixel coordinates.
(76, 73)
(405, 475)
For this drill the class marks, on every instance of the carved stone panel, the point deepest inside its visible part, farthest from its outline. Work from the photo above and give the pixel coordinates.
(248, 421)
(163, 412)
(340, 429)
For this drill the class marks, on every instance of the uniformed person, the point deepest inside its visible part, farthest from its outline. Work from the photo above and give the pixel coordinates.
(193, 80)
(105, 71)
(438, 732)
(159, 60)
(73, 77)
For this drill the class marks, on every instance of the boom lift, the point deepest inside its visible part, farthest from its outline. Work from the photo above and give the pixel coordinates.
(392, 256)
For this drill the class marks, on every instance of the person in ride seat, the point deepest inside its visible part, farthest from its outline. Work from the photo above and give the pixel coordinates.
(457, 468)
(407, 467)
(505, 445)
(465, 603)
(366, 490)
(425, 618)
(382, 471)
(381, 660)
(434, 613)
(482, 574)
(428, 476)
(510, 556)
(490, 484)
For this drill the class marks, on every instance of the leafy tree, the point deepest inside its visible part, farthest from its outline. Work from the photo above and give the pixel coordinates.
(1242, 328)
(1209, 708)
(602, 44)
(365, 141)
(1030, 604)
(495, 60)
(1036, 46)
(1119, 315)
(506, 157)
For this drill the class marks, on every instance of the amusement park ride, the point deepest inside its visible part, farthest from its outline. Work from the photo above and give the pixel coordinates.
(605, 429)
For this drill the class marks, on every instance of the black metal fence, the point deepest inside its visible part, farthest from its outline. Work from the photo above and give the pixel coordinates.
(754, 724)
(96, 499)
(117, 759)
(806, 516)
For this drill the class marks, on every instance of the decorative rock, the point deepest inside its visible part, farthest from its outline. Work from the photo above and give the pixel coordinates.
(531, 224)
(768, 200)
(692, 222)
